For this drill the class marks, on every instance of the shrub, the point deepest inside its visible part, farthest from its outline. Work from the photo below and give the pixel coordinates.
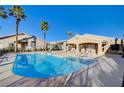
(10, 49)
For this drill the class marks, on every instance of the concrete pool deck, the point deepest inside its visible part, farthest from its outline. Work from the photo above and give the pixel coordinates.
(108, 72)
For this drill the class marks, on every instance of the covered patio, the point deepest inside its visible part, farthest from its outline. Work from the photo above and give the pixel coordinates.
(22, 45)
(27, 43)
(71, 47)
(88, 47)
(83, 44)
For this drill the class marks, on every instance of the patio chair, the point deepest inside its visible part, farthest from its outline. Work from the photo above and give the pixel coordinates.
(83, 54)
(73, 50)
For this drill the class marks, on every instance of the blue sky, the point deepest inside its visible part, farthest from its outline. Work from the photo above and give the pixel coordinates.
(99, 20)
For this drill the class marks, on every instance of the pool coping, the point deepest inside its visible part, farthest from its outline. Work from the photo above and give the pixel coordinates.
(66, 76)
(74, 74)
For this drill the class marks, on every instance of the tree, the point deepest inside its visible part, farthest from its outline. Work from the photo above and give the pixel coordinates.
(70, 34)
(44, 28)
(3, 14)
(116, 40)
(17, 12)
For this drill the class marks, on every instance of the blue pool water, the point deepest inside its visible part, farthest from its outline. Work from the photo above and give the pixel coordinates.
(46, 65)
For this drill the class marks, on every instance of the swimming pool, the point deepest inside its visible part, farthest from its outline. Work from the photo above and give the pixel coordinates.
(47, 65)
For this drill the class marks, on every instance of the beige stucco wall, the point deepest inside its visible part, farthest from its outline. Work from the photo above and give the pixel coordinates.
(4, 43)
(39, 43)
(88, 38)
(99, 40)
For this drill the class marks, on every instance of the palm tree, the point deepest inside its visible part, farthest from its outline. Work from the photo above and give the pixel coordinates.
(19, 14)
(3, 14)
(70, 34)
(44, 28)
(116, 40)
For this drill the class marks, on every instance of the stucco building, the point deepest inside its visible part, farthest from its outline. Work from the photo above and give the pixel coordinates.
(93, 44)
(58, 45)
(24, 41)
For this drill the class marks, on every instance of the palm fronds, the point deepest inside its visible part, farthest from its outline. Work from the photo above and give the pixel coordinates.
(17, 12)
(44, 26)
(70, 34)
(3, 14)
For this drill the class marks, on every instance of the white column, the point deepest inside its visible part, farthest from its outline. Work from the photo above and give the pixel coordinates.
(77, 48)
(64, 47)
(100, 49)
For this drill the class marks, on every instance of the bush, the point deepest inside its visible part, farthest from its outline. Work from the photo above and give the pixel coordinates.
(41, 49)
(56, 48)
(6, 50)
(10, 49)
(3, 51)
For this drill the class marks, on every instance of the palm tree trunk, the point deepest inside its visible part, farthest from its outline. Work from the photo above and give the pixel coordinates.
(17, 23)
(44, 45)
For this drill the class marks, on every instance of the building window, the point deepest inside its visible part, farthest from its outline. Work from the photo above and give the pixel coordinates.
(11, 44)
